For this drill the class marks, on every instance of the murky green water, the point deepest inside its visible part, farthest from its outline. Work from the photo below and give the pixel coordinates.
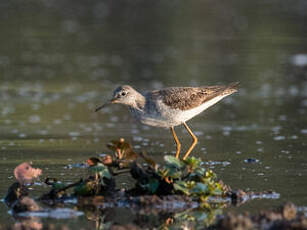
(60, 59)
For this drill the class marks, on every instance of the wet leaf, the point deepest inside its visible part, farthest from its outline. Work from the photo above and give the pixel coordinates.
(105, 174)
(210, 174)
(172, 161)
(199, 172)
(192, 162)
(102, 170)
(182, 186)
(151, 186)
(174, 176)
(164, 172)
(174, 173)
(200, 188)
(85, 189)
(122, 149)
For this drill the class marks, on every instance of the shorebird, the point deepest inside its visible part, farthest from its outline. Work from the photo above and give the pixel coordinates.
(170, 107)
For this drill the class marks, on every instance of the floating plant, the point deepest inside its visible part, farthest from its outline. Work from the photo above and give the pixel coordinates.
(173, 186)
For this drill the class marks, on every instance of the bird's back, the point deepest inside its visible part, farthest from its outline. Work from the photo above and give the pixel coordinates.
(185, 98)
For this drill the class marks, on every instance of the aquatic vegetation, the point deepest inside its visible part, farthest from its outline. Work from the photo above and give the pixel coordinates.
(173, 177)
(100, 184)
(122, 155)
(15, 192)
(24, 174)
(185, 177)
(122, 149)
(192, 178)
(186, 190)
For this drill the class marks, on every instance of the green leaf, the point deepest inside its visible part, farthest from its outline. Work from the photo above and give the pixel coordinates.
(152, 185)
(105, 174)
(84, 189)
(199, 172)
(200, 188)
(174, 173)
(182, 186)
(173, 162)
(193, 162)
(102, 170)
(163, 172)
(210, 174)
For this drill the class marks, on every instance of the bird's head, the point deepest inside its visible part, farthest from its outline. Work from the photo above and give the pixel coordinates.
(122, 95)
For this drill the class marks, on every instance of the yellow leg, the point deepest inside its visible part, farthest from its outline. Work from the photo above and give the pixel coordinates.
(178, 145)
(193, 143)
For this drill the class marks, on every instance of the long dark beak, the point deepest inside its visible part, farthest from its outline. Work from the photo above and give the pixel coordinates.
(100, 107)
(105, 105)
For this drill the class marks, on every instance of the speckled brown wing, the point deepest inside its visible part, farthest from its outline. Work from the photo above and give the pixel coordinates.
(185, 98)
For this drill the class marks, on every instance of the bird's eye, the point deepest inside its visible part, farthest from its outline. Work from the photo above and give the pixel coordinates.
(123, 93)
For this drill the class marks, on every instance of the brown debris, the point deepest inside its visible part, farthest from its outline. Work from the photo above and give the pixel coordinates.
(289, 211)
(122, 149)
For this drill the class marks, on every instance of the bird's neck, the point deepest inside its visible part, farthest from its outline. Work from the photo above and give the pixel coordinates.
(139, 102)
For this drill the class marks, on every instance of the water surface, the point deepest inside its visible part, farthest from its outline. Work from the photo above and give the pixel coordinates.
(59, 60)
